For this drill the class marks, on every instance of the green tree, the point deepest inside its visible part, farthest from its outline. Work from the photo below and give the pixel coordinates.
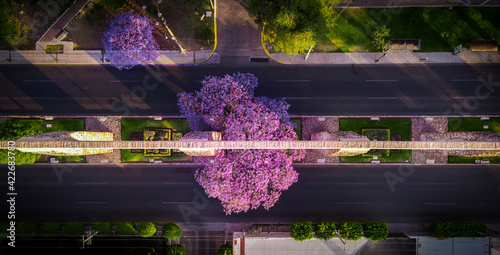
(176, 249)
(225, 249)
(450, 229)
(146, 228)
(51, 228)
(325, 230)
(352, 231)
(26, 228)
(171, 231)
(292, 26)
(125, 228)
(4, 225)
(301, 230)
(380, 37)
(376, 231)
(103, 228)
(74, 228)
(11, 130)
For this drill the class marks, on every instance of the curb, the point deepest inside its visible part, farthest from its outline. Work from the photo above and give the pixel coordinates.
(265, 50)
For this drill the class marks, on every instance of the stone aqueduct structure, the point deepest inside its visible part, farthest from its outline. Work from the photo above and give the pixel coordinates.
(198, 143)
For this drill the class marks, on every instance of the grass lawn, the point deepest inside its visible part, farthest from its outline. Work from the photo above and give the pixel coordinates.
(136, 125)
(473, 125)
(401, 126)
(440, 29)
(57, 125)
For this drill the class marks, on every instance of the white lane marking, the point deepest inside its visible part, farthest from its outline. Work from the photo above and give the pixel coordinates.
(178, 183)
(352, 183)
(464, 80)
(381, 80)
(90, 202)
(381, 98)
(440, 183)
(91, 183)
(39, 81)
(467, 97)
(125, 81)
(293, 80)
(176, 202)
(440, 203)
(197, 81)
(297, 98)
(351, 203)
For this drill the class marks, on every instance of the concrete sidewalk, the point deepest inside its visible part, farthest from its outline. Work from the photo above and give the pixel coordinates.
(392, 57)
(209, 57)
(96, 57)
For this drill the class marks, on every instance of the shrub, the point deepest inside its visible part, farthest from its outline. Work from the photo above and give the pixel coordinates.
(26, 228)
(447, 229)
(176, 249)
(51, 228)
(54, 48)
(171, 231)
(301, 230)
(126, 228)
(379, 37)
(352, 231)
(325, 230)
(376, 231)
(4, 225)
(102, 227)
(225, 249)
(74, 228)
(146, 228)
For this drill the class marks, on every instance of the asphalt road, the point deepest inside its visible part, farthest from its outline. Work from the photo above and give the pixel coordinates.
(162, 193)
(417, 89)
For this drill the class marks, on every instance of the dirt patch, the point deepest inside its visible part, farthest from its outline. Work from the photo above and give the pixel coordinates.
(87, 29)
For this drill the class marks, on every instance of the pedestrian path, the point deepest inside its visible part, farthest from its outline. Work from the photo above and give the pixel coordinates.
(392, 57)
(63, 20)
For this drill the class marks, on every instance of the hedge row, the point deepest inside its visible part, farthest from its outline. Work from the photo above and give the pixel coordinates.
(353, 231)
(103, 228)
(449, 229)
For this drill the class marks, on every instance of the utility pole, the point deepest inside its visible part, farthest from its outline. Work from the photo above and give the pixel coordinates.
(90, 234)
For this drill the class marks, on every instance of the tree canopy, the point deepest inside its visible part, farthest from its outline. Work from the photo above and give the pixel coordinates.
(293, 26)
(376, 231)
(171, 231)
(301, 230)
(129, 41)
(352, 231)
(242, 179)
(325, 230)
(146, 228)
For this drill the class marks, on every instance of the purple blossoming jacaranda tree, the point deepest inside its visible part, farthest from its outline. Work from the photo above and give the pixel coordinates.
(129, 41)
(242, 179)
